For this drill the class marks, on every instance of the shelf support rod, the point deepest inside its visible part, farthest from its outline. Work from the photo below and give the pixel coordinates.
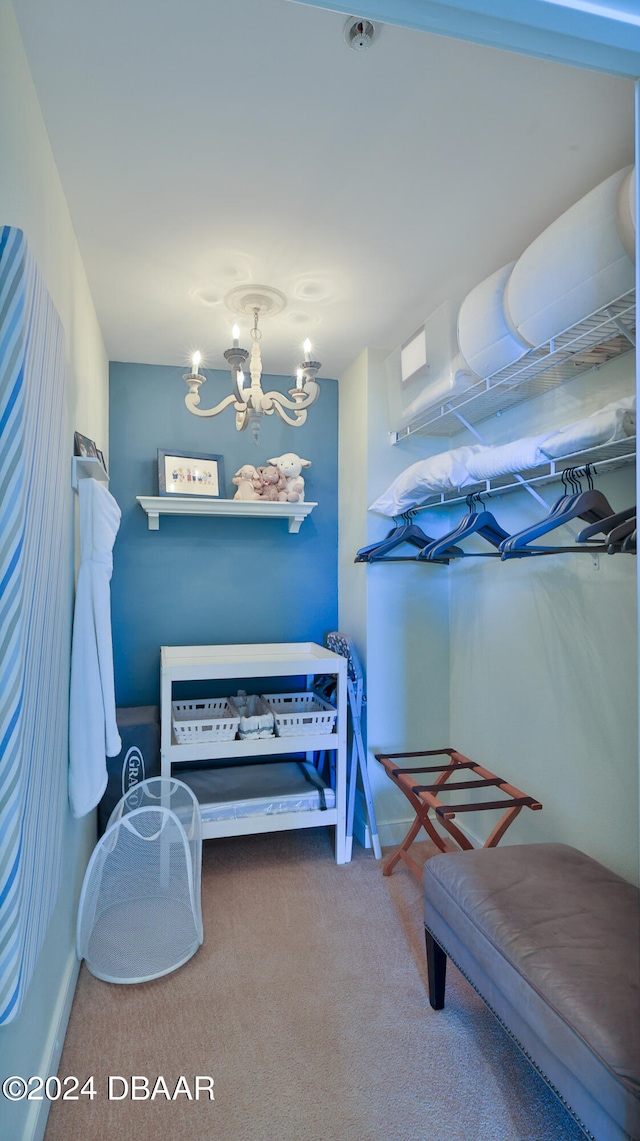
(482, 440)
(625, 330)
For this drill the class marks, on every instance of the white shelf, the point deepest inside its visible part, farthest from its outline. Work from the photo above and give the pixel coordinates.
(157, 505)
(263, 747)
(280, 659)
(280, 822)
(606, 334)
(606, 458)
(86, 467)
(264, 659)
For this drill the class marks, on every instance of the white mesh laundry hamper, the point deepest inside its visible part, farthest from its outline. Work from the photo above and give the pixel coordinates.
(139, 917)
(181, 800)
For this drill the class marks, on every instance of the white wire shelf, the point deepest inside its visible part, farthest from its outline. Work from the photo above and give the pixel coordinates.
(603, 459)
(605, 335)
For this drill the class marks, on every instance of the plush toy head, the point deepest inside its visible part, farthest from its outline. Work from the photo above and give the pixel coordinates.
(289, 464)
(246, 472)
(270, 475)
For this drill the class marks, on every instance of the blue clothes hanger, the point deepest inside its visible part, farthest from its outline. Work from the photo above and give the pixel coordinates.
(474, 523)
(406, 532)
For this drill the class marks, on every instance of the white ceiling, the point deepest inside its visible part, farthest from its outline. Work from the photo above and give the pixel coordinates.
(204, 144)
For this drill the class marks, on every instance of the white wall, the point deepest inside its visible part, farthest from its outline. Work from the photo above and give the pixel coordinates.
(32, 198)
(397, 615)
(544, 658)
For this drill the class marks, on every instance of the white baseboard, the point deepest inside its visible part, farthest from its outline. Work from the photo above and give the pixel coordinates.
(36, 1121)
(361, 829)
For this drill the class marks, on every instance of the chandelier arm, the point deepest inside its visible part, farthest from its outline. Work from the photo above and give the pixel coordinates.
(312, 391)
(296, 422)
(192, 399)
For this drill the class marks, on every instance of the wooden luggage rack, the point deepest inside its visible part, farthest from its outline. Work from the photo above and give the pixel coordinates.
(423, 798)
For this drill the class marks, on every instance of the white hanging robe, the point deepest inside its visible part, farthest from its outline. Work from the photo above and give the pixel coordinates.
(93, 733)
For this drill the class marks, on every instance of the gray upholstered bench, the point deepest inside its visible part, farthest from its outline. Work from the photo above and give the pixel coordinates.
(549, 939)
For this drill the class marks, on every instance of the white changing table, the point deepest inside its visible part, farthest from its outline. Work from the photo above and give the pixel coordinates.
(234, 663)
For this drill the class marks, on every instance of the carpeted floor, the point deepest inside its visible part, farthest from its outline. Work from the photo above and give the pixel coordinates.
(308, 1006)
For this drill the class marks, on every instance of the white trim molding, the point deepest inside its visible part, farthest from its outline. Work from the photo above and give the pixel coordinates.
(583, 33)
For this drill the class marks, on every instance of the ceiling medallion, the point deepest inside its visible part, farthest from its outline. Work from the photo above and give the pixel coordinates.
(248, 400)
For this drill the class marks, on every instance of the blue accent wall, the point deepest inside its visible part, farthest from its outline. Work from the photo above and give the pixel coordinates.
(214, 580)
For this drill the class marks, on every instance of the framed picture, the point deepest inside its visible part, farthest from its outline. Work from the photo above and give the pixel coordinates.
(192, 474)
(100, 456)
(83, 446)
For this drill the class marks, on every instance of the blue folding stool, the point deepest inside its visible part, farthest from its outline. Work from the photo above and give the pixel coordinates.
(342, 645)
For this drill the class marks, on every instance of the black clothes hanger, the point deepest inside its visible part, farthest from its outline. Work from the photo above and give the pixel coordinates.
(474, 523)
(616, 535)
(591, 505)
(604, 526)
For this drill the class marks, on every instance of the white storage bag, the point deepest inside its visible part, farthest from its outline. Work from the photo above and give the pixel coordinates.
(486, 341)
(627, 214)
(575, 267)
(452, 380)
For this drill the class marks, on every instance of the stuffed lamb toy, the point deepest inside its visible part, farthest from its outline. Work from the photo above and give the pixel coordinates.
(290, 465)
(244, 479)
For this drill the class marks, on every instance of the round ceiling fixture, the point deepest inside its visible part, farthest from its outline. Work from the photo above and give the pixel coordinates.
(245, 299)
(359, 34)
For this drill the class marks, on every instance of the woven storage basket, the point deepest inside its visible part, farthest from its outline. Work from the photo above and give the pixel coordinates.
(298, 714)
(196, 722)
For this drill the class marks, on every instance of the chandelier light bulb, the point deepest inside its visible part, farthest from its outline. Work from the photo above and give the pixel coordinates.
(195, 362)
(299, 377)
(235, 333)
(240, 379)
(307, 349)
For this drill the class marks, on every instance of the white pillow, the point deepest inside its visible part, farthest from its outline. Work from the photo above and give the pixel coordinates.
(444, 472)
(613, 422)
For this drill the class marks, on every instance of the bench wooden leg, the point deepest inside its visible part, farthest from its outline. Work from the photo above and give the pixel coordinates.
(436, 970)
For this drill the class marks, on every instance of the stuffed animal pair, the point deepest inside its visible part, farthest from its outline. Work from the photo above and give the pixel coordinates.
(278, 482)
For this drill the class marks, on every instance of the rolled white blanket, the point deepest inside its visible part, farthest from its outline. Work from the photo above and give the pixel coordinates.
(519, 455)
(613, 422)
(445, 472)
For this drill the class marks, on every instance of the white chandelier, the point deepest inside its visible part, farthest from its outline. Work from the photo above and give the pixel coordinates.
(248, 399)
